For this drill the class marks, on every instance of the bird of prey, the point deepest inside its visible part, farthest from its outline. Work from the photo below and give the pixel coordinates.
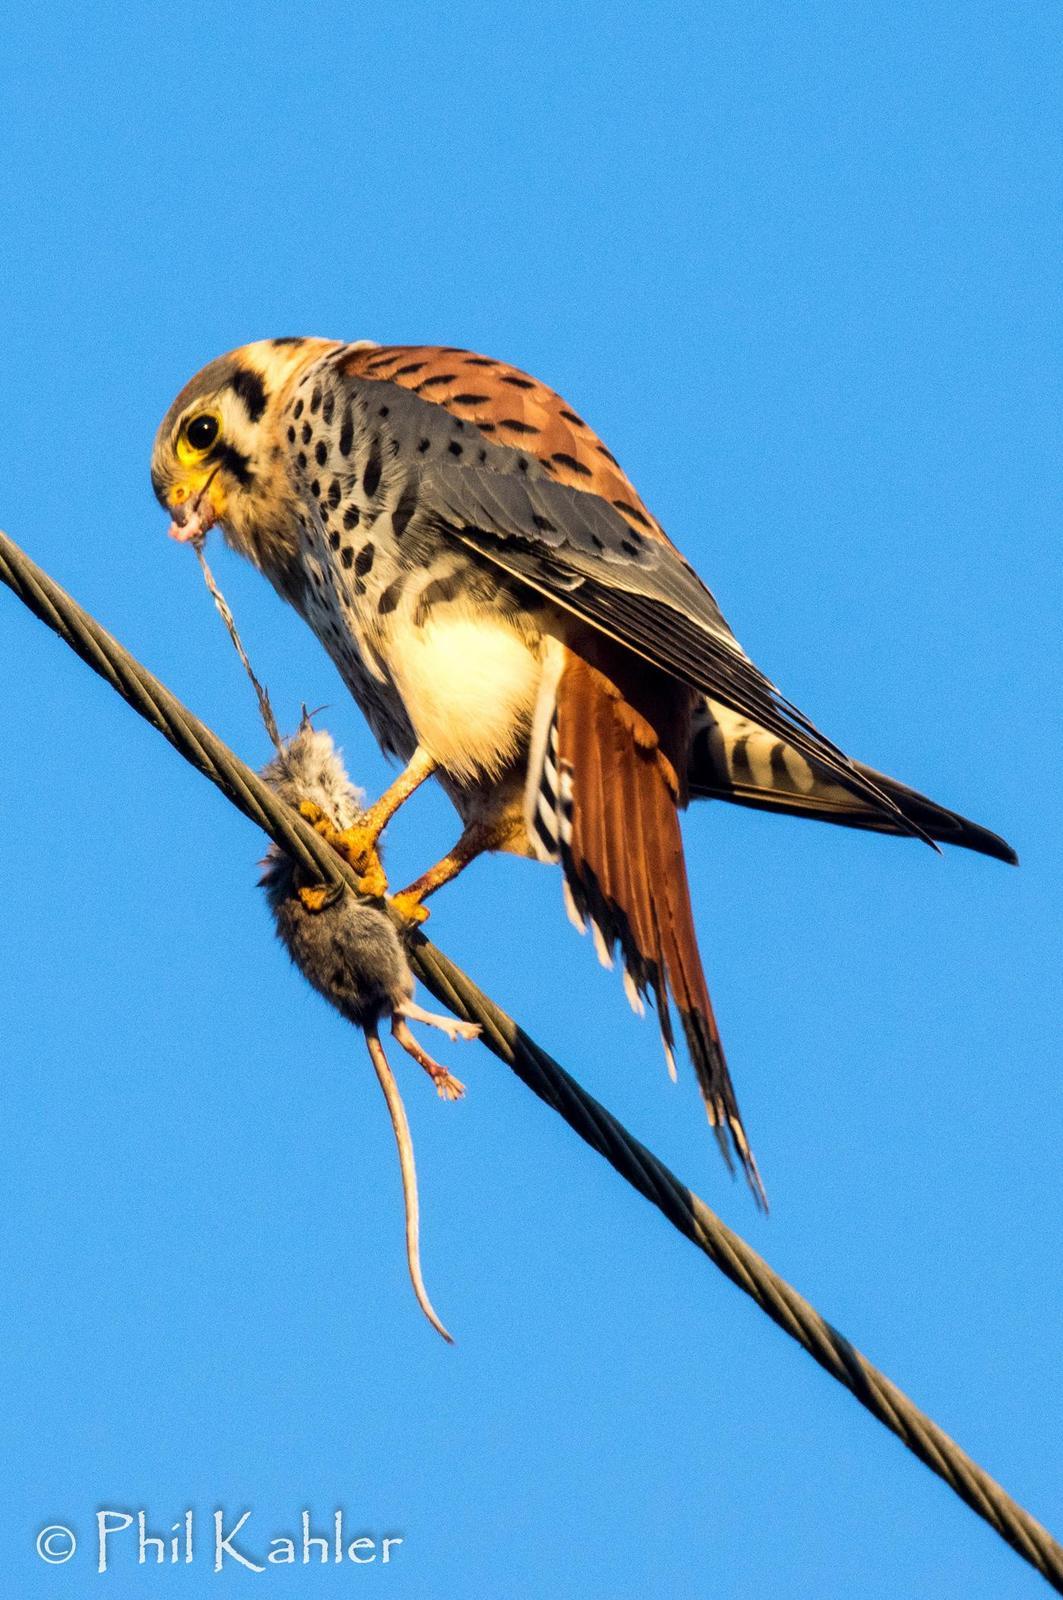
(511, 618)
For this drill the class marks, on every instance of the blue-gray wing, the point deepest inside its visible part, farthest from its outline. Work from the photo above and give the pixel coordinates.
(582, 554)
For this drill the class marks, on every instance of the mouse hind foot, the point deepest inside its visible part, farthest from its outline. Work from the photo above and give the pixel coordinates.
(451, 1026)
(447, 1086)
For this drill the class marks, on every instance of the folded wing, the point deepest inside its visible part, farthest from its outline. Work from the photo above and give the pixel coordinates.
(637, 590)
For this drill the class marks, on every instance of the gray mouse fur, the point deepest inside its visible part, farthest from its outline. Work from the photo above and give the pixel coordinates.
(351, 952)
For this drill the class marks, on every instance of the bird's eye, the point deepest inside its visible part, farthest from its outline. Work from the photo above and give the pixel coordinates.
(201, 431)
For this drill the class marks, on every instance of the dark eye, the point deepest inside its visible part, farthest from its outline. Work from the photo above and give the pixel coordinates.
(201, 432)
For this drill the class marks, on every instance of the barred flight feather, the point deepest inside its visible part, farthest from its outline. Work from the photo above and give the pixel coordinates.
(623, 863)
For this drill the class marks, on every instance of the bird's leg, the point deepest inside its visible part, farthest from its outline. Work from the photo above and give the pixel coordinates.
(477, 837)
(447, 1086)
(357, 844)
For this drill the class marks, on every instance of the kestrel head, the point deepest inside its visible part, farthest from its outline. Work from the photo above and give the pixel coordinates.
(217, 458)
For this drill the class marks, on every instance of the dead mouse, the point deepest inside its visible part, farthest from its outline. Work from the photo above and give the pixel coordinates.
(352, 954)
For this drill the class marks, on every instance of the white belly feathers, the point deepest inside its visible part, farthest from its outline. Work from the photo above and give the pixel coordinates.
(469, 681)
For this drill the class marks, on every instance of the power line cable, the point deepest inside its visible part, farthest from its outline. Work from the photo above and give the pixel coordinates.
(594, 1124)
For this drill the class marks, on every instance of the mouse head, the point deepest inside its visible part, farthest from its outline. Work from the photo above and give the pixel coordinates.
(309, 767)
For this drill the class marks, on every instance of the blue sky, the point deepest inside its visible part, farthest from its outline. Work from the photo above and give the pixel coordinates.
(794, 263)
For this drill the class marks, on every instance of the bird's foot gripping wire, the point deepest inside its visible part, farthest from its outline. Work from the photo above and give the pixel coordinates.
(477, 837)
(317, 896)
(357, 846)
(409, 905)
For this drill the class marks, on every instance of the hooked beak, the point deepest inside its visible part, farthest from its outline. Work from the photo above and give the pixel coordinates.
(194, 518)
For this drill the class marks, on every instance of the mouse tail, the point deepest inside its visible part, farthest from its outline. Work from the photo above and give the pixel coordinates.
(409, 1175)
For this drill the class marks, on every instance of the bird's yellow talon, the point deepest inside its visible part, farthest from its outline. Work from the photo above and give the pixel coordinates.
(310, 811)
(373, 883)
(409, 907)
(356, 845)
(315, 896)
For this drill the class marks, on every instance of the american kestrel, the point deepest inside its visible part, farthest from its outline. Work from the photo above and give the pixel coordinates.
(511, 618)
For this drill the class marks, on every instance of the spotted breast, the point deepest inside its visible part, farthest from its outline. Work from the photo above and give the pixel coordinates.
(510, 616)
(439, 647)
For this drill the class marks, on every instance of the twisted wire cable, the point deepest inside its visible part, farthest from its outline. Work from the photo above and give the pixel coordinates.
(594, 1124)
